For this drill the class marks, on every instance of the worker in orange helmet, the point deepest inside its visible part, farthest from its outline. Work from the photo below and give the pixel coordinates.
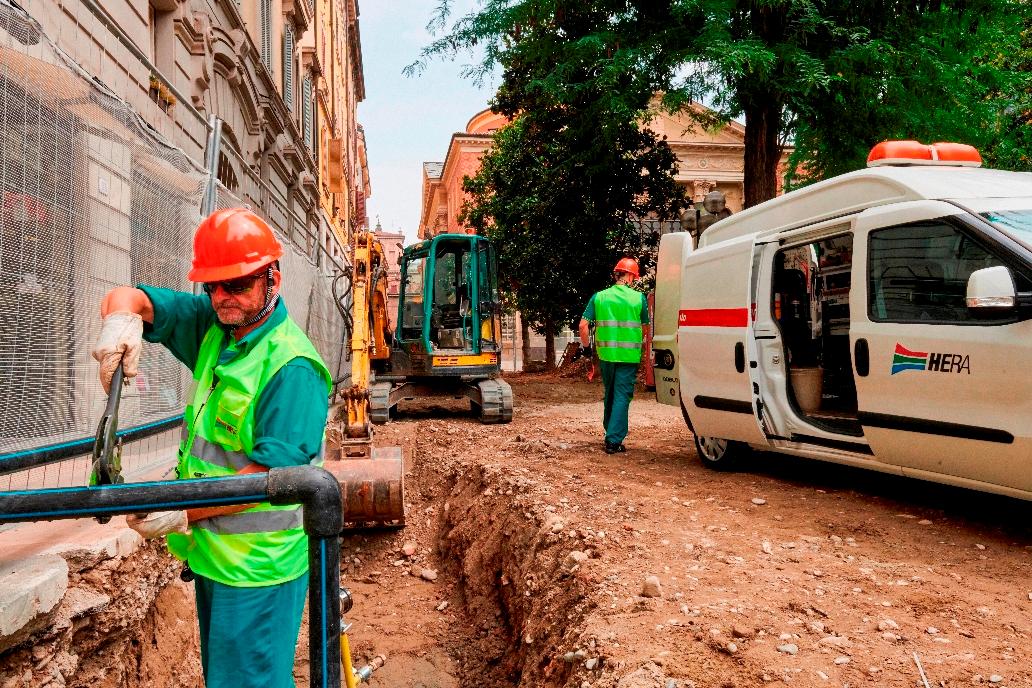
(619, 315)
(261, 402)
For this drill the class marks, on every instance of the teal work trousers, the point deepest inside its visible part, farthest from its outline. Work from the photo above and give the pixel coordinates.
(248, 635)
(618, 380)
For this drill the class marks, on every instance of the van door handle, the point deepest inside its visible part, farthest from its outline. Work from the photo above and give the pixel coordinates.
(861, 358)
(740, 357)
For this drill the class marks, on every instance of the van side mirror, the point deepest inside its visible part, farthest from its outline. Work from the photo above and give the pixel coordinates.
(991, 289)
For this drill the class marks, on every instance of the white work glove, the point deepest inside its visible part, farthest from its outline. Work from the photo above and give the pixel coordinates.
(121, 339)
(158, 523)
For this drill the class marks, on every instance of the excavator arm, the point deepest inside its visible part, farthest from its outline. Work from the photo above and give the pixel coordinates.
(369, 330)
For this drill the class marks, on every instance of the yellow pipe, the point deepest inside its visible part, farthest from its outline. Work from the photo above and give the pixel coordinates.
(350, 680)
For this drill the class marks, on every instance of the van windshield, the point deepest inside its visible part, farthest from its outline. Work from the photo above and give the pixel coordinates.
(1016, 223)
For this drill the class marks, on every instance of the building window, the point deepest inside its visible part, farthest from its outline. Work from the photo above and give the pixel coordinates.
(226, 173)
(306, 113)
(265, 22)
(288, 67)
(160, 23)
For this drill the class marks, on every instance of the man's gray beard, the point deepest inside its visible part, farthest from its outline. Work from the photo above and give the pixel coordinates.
(236, 322)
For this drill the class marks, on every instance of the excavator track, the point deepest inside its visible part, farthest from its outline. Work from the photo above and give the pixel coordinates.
(380, 402)
(495, 401)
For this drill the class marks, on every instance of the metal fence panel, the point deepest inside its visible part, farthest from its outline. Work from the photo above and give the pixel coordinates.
(92, 197)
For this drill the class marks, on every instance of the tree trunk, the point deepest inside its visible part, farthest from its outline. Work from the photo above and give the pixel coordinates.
(762, 151)
(549, 345)
(762, 104)
(524, 341)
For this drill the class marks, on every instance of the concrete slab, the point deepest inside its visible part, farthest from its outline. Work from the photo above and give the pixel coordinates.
(82, 542)
(29, 589)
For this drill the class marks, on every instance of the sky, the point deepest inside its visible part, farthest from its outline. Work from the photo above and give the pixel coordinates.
(408, 120)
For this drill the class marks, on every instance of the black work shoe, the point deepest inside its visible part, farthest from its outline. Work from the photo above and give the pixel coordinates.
(612, 448)
(620, 448)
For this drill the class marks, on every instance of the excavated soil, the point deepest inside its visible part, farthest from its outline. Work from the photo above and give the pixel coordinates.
(788, 573)
(532, 558)
(123, 623)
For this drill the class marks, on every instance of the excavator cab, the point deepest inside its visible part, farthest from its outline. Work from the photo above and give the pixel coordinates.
(448, 336)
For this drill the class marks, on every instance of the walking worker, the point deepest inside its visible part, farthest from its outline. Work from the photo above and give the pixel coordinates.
(618, 313)
(261, 401)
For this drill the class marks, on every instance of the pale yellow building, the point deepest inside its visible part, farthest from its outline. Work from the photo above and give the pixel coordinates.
(331, 63)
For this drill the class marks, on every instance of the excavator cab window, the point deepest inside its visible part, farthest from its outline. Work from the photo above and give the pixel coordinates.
(488, 306)
(452, 315)
(412, 303)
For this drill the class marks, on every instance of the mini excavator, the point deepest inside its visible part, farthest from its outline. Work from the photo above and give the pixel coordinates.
(447, 343)
(448, 336)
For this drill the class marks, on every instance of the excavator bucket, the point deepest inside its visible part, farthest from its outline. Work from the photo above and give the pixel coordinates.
(372, 489)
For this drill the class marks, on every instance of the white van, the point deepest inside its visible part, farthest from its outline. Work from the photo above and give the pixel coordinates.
(880, 319)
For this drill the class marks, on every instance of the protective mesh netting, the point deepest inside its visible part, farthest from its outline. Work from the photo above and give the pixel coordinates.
(92, 197)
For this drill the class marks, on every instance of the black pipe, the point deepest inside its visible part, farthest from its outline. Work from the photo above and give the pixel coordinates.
(20, 460)
(314, 488)
(319, 491)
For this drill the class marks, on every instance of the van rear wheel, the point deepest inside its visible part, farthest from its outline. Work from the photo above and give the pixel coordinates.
(719, 454)
(715, 453)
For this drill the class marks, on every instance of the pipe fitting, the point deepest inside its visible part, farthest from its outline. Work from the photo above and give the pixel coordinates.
(314, 488)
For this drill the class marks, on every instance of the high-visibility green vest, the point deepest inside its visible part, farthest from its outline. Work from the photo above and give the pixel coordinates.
(618, 324)
(265, 544)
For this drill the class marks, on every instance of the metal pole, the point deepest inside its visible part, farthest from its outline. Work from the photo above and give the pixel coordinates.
(211, 164)
(316, 489)
(212, 149)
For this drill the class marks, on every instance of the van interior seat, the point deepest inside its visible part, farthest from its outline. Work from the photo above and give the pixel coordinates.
(795, 316)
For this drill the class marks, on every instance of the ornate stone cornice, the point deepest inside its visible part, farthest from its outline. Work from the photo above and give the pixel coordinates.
(310, 61)
(298, 13)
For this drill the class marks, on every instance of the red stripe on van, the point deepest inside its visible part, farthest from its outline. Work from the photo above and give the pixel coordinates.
(713, 317)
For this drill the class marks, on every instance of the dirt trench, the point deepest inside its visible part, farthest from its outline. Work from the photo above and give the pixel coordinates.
(503, 600)
(532, 558)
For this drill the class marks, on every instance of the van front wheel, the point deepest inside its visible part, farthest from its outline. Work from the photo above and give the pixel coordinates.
(719, 454)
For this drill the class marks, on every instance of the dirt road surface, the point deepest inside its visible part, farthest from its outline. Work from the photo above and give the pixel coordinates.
(532, 558)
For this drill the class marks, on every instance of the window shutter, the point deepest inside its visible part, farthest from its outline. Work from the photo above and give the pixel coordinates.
(306, 113)
(288, 67)
(265, 19)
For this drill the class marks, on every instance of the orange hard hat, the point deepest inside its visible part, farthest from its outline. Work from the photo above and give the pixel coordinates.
(232, 243)
(629, 265)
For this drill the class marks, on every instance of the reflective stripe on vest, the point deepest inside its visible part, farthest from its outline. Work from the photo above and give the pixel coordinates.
(252, 522)
(265, 544)
(618, 327)
(218, 456)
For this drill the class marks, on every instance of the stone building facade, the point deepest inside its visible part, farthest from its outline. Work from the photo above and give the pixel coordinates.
(284, 76)
(393, 245)
(707, 161)
(442, 181)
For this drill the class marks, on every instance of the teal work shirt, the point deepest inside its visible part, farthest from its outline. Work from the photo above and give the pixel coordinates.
(589, 311)
(291, 413)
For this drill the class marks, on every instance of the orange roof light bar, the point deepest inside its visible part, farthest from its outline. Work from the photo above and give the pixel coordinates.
(917, 153)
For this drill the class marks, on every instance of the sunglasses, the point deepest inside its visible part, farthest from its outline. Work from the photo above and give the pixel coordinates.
(240, 285)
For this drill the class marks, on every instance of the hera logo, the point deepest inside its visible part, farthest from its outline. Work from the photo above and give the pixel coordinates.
(905, 359)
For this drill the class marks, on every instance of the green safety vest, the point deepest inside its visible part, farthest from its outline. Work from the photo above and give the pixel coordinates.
(265, 544)
(618, 324)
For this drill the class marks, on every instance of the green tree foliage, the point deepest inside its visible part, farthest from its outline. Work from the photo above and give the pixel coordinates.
(563, 188)
(560, 220)
(928, 71)
(831, 76)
